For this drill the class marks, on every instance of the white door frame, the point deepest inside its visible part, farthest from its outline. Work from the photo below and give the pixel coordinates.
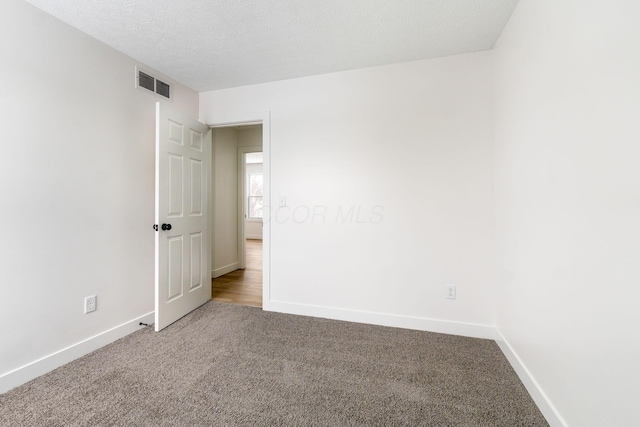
(248, 118)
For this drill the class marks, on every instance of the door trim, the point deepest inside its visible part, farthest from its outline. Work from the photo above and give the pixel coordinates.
(251, 118)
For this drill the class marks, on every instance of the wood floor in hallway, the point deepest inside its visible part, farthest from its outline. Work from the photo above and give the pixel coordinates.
(242, 287)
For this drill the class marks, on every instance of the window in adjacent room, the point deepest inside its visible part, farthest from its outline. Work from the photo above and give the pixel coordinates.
(254, 204)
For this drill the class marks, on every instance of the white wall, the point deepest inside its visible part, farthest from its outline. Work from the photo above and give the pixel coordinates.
(567, 133)
(252, 227)
(225, 205)
(77, 188)
(399, 147)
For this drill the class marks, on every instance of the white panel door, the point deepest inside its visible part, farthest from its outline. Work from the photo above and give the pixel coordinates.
(183, 245)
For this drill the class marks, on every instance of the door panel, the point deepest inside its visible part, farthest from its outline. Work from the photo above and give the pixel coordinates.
(196, 140)
(196, 187)
(196, 261)
(183, 250)
(175, 132)
(175, 185)
(174, 261)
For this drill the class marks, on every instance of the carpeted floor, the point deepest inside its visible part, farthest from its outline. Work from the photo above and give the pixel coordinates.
(239, 366)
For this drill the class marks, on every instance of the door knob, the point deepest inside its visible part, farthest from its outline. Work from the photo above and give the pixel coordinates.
(166, 226)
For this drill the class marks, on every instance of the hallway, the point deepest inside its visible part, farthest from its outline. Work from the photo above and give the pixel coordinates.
(242, 287)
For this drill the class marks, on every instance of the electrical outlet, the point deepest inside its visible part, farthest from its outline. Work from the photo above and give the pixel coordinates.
(451, 291)
(89, 304)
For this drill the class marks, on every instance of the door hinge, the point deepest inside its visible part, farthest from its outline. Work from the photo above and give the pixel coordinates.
(155, 227)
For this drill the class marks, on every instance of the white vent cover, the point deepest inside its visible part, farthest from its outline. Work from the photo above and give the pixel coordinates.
(148, 82)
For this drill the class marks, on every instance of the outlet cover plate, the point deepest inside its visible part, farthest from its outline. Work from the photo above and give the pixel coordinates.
(451, 291)
(89, 304)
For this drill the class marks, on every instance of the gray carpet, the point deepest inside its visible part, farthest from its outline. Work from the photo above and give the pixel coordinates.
(239, 366)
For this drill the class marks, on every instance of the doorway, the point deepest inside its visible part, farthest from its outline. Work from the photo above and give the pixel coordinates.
(238, 201)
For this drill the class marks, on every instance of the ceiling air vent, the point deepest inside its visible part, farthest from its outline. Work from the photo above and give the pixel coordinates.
(163, 89)
(148, 82)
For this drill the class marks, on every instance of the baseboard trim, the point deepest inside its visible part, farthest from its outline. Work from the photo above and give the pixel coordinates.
(225, 270)
(48, 363)
(537, 394)
(473, 330)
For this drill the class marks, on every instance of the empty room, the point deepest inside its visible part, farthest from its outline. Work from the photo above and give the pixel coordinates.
(447, 213)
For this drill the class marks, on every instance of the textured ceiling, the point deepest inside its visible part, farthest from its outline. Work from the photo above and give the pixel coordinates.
(214, 44)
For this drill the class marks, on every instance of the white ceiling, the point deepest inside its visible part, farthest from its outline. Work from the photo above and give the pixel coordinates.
(214, 44)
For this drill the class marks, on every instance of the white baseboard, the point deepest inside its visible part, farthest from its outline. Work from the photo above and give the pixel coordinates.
(537, 394)
(48, 363)
(253, 236)
(225, 270)
(473, 330)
